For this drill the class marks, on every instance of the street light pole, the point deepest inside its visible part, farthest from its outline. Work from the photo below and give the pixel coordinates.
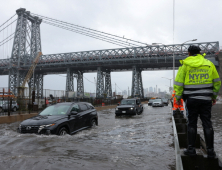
(170, 83)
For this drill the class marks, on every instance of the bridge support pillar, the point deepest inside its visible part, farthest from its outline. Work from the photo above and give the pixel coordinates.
(39, 85)
(108, 85)
(137, 83)
(69, 80)
(100, 84)
(80, 85)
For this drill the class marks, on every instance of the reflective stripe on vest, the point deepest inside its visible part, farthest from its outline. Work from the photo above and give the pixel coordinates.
(198, 91)
(178, 83)
(201, 97)
(215, 80)
(198, 86)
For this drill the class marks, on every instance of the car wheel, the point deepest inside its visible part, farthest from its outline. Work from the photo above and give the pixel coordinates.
(14, 109)
(63, 131)
(93, 123)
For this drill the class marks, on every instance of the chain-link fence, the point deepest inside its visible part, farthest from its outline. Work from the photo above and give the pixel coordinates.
(29, 101)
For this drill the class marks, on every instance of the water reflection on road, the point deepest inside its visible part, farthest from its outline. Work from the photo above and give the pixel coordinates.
(138, 142)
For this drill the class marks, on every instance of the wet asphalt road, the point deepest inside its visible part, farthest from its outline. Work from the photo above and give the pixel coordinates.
(139, 142)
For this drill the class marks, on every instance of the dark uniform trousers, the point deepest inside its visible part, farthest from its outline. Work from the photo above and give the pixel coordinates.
(199, 107)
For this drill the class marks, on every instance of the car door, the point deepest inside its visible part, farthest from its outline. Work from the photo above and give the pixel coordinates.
(83, 115)
(73, 119)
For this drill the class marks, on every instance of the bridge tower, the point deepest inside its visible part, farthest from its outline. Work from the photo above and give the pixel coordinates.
(20, 55)
(69, 80)
(137, 83)
(80, 85)
(36, 82)
(108, 85)
(18, 51)
(100, 83)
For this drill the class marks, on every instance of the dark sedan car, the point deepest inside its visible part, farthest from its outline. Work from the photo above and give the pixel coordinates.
(61, 119)
(129, 107)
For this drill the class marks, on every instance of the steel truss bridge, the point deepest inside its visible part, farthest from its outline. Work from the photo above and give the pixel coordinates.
(75, 64)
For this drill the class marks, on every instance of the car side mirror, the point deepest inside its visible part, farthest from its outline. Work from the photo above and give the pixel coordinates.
(73, 113)
(117, 104)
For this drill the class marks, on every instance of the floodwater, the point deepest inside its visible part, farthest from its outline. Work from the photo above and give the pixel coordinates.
(142, 142)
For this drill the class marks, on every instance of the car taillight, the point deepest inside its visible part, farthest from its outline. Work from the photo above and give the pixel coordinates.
(17, 104)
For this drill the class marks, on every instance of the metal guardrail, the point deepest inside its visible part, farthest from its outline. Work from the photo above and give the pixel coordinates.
(179, 164)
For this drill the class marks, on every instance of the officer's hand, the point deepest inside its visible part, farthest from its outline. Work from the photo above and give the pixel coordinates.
(214, 101)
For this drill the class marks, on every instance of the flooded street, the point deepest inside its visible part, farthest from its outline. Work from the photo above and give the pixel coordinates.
(138, 142)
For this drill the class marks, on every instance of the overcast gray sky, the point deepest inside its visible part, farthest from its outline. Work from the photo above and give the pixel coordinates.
(147, 21)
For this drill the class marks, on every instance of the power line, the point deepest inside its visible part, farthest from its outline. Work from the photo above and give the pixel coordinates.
(7, 20)
(89, 80)
(6, 41)
(8, 25)
(119, 88)
(91, 32)
(7, 38)
(84, 34)
(89, 29)
(80, 31)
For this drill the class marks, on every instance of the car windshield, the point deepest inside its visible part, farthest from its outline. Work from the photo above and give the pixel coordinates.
(151, 100)
(55, 110)
(165, 100)
(127, 102)
(157, 100)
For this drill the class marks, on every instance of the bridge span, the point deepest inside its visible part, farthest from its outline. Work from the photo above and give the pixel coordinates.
(135, 59)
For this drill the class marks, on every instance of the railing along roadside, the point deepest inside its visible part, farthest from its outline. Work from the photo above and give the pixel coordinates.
(179, 164)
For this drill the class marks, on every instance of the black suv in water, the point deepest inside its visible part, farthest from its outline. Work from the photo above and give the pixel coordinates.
(61, 119)
(129, 107)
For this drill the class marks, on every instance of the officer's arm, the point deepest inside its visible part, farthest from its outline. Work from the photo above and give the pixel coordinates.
(179, 82)
(216, 82)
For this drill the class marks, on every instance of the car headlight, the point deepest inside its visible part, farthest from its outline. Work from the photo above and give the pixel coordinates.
(44, 126)
(20, 126)
(117, 109)
(131, 108)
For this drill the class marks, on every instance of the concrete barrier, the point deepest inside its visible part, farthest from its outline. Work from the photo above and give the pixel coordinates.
(15, 118)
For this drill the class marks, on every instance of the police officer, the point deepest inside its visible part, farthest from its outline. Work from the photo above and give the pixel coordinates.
(198, 83)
